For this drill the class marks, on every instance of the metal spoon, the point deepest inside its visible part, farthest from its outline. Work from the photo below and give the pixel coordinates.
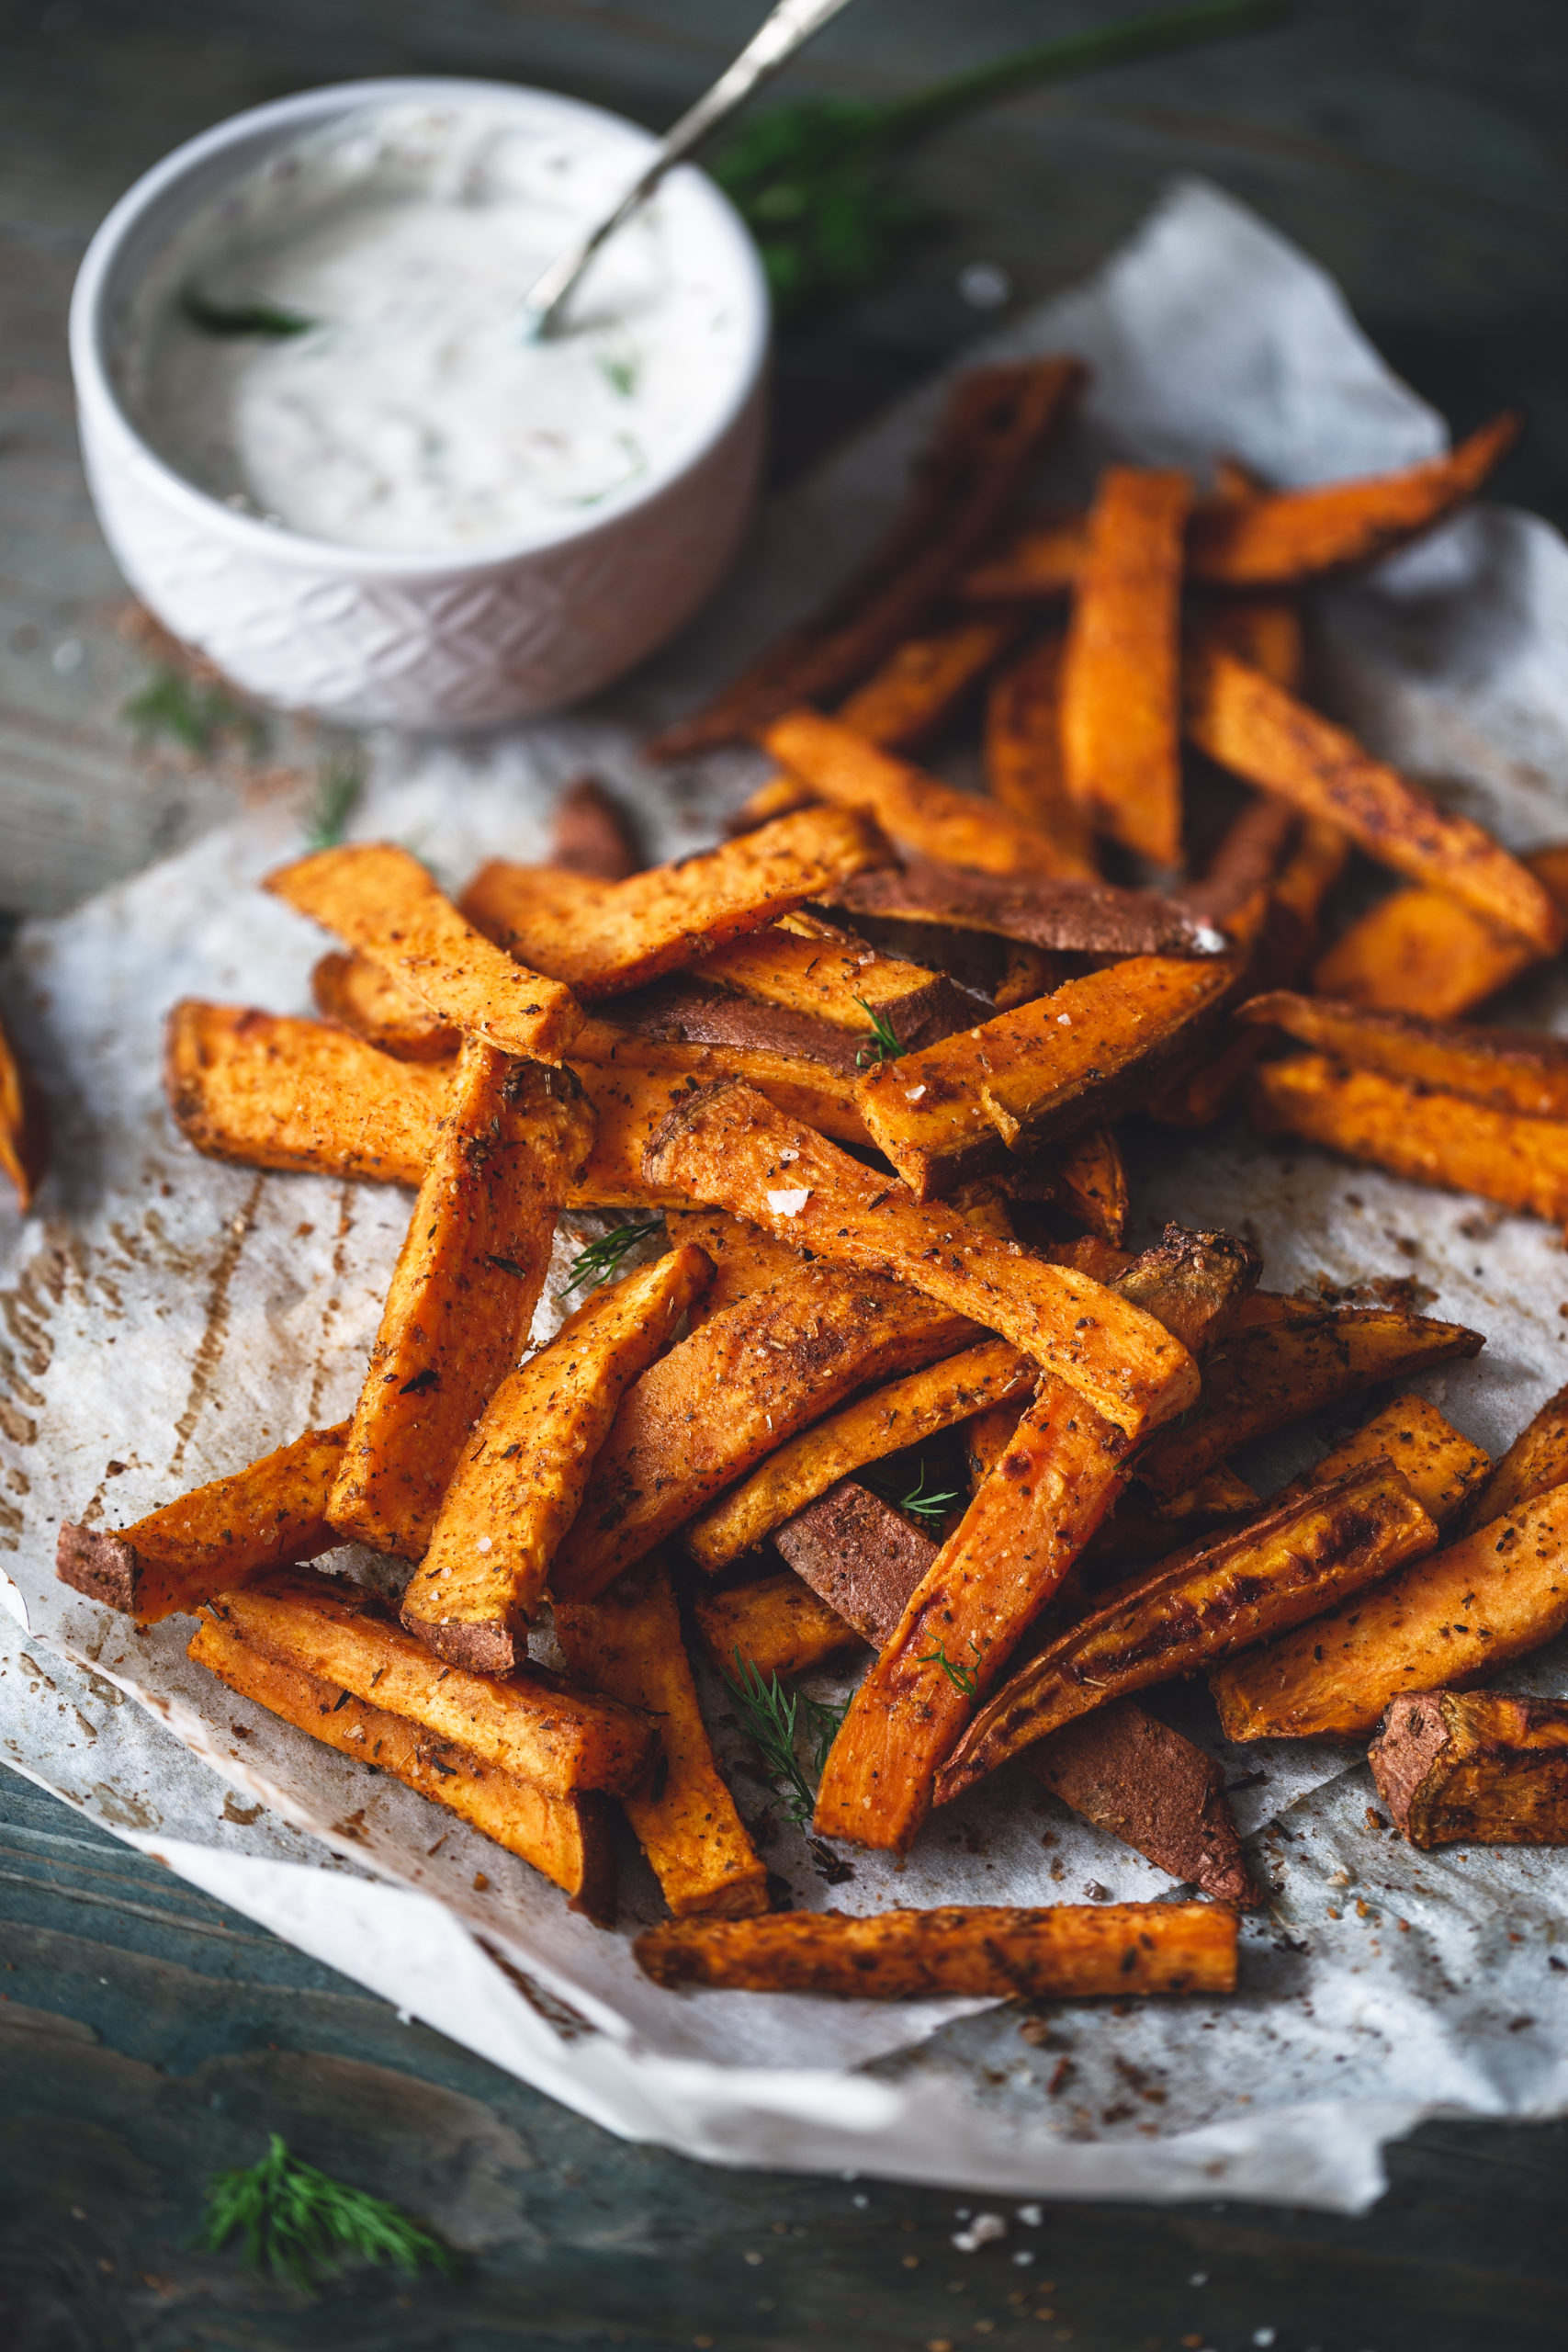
(788, 28)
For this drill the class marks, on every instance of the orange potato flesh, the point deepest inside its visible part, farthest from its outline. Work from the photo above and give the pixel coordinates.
(1121, 716)
(1537, 1460)
(567, 1839)
(380, 900)
(463, 1293)
(804, 1090)
(745, 1259)
(1421, 951)
(842, 981)
(521, 1477)
(923, 681)
(985, 1439)
(1069, 1952)
(23, 1146)
(1439, 1464)
(1509, 1069)
(629, 1645)
(1258, 730)
(779, 1625)
(272, 1514)
(1024, 752)
(1483, 1601)
(1090, 1181)
(363, 997)
(730, 1143)
(1444, 1140)
(1480, 1769)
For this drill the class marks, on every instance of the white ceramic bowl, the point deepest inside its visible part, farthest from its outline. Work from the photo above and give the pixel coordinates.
(445, 639)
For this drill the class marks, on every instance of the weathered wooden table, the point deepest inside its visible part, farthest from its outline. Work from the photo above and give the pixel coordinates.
(148, 2036)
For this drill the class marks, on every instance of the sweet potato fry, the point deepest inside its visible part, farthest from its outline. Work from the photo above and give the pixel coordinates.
(692, 1035)
(628, 1643)
(590, 835)
(985, 1439)
(463, 1293)
(892, 1418)
(1263, 630)
(381, 900)
(521, 1477)
(1024, 752)
(745, 1259)
(1422, 951)
(1441, 1466)
(1444, 1140)
(1026, 972)
(778, 1624)
(749, 1379)
(1041, 565)
(532, 1724)
(23, 1129)
(924, 680)
(362, 996)
(270, 1515)
(1252, 726)
(998, 423)
(1200, 1606)
(605, 937)
(1065, 916)
(1031, 1077)
(1509, 1069)
(1069, 1952)
(1140, 1530)
(1265, 1377)
(912, 809)
(568, 1838)
(1477, 1767)
(844, 982)
(1121, 716)
(1537, 1460)
(1476, 1606)
(1130, 1775)
(860, 1555)
(730, 1143)
(636, 1086)
(1090, 1181)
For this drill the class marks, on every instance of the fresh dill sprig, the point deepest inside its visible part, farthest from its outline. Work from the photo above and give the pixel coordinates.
(775, 1716)
(338, 788)
(883, 1045)
(295, 2219)
(193, 715)
(963, 1678)
(919, 1505)
(242, 318)
(599, 1261)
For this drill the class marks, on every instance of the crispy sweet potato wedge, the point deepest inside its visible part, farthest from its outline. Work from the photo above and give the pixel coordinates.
(844, 982)
(1441, 1466)
(568, 1838)
(750, 1378)
(1200, 1606)
(1421, 951)
(363, 997)
(1509, 1069)
(1445, 1140)
(463, 1293)
(606, 937)
(860, 1555)
(1024, 752)
(684, 1011)
(730, 1143)
(382, 901)
(778, 1625)
(1090, 1181)
(819, 1090)
(745, 1259)
(1129, 1774)
(1121, 716)
(590, 834)
(924, 680)
(1040, 565)
(270, 1515)
(634, 1089)
(1477, 1767)
(1257, 729)
(628, 1643)
(1537, 1460)
(1140, 1530)
(998, 423)
(1063, 915)
(1265, 1376)
(521, 1476)
(986, 1440)
(1476, 1606)
(883, 1423)
(1067, 1952)
(24, 1146)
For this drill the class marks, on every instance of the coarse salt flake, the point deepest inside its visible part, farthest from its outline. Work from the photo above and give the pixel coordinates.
(1064, 1020)
(788, 1204)
(913, 1093)
(787, 1156)
(484, 1544)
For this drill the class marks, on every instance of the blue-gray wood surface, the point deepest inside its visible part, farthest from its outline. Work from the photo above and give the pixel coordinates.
(147, 2036)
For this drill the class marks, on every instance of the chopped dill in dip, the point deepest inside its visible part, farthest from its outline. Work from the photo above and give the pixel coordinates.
(401, 407)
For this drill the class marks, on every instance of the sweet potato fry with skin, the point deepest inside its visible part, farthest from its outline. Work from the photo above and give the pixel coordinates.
(1422, 951)
(628, 1643)
(1477, 1769)
(1041, 565)
(1200, 1606)
(590, 835)
(1064, 916)
(745, 1259)
(1091, 1182)
(606, 937)
(842, 982)
(899, 1415)
(1026, 972)
(1140, 1530)
(1269, 1374)
(1443, 1139)
(380, 900)
(24, 1147)
(916, 810)
(520, 1479)
(1252, 726)
(1120, 715)
(998, 423)
(730, 1142)
(860, 1555)
(1132, 1775)
(1024, 752)
(1537, 1460)
(818, 1088)
(985, 1439)
(1031, 1077)
(270, 1515)
(532, 1726)
(779, 1625)
(1507, 1070)
(1472, 1608)
(463, 1293)
(568, 1838)
(1439, 1464)
(924, 680)
(749, 1379)
(635, 1087)
(1069, 1952)
(363, 997)
(681, 1011)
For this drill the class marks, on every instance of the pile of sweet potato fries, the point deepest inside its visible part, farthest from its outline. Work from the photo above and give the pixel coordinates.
(862, 1064)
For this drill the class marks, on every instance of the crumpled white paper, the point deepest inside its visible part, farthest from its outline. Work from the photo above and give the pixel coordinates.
(166, 1320)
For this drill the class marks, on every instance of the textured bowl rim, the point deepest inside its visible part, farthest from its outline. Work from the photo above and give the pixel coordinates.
(97, 389)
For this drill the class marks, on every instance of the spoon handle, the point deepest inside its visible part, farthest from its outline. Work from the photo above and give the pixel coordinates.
(787, 28)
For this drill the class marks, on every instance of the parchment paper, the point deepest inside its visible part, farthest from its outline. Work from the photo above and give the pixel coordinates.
(166, 1320)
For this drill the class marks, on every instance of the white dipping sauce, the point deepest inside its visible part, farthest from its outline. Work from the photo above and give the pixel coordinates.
(414, 415)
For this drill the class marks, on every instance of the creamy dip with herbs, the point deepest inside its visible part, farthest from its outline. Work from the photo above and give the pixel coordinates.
(411, 412)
